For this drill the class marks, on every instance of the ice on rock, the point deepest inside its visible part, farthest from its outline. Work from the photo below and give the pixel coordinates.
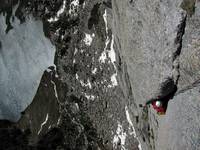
(24, 56)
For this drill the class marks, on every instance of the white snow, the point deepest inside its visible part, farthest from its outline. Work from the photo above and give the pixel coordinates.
(77, 77)
(88, 84)
(119, 137)
(82, 50)
(94, 71)
(54, 19)
(62, 9)
(74, 61)
(25, 54)
(45, 121)
(75, 51)
(48, 70)
(132, 127)
(73, 6)
(103, 56)
(59, 12)
(55, 90)
(84, 5)
(77, 106)
(113, 79)
(111, 53)
(57, 31)
(59, 119)
(90, 97)
(130, 122)
(88, 39)
(105, 20)
(140, 146)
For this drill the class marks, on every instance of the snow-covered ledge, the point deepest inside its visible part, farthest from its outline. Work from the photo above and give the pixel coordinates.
(24, 55)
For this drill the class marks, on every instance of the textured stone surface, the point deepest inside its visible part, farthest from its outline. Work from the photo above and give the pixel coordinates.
(158, 40)
(82, 96)
(111, 57)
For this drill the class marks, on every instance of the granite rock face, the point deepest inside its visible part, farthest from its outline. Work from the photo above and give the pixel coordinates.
(158, 41)
(111, 56)
(79, 101)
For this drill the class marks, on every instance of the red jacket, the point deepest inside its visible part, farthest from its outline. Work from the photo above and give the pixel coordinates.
(160, 110)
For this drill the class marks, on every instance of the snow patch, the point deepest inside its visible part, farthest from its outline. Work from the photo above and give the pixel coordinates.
(88, 39)
(84, 5)
(48, 70)
(94, 71)
(59, 120)
(77, 106)
(139, 146)
(130, 122)
(111, 53)
(45, 121)
(105, 20)
(55, 90)
(120, 137)
(75, 51)
(90, 97)
(73, 7)
(62, 9)
(77, 77)
(74, 61)
(132, 127)
(82, 50)
(88, 84)
(53, 19)
(59, 12)
(113, 79)
(103, 56)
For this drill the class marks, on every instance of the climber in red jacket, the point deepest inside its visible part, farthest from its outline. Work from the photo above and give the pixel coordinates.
(160, 107)
(166, 92)
(159, 104)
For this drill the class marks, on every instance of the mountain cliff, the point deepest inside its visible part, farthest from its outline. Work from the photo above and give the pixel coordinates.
(76, 74)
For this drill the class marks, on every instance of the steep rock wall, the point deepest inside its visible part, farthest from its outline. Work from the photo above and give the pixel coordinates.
(111, 57)
(81, 97)
(158, 41)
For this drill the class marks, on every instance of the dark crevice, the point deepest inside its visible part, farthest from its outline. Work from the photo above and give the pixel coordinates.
(6, 8)
(51, 140)
(167, 91)
(179, 37)
(178, 42)
(94, 16)
(127, 81)
(81, 2)
(169, 86)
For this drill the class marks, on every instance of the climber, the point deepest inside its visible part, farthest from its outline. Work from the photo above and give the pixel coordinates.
(160, 107)
(159, 104)
(165, 92)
